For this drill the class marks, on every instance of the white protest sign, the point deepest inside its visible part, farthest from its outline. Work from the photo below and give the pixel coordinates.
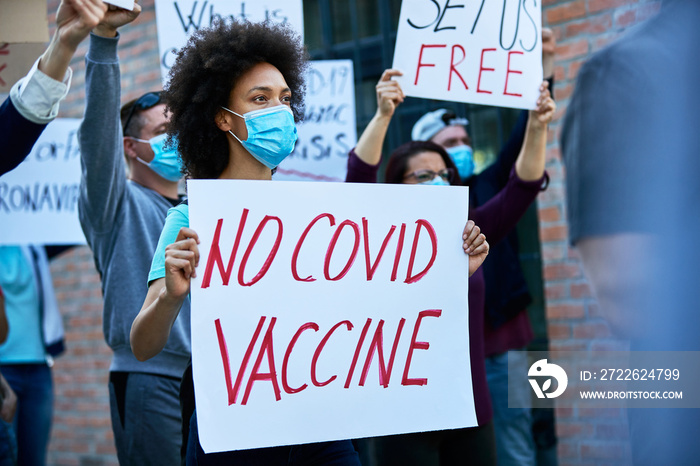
(328, 131)
(319, 313)
(176, 20)
(39, 198)
(485, 52)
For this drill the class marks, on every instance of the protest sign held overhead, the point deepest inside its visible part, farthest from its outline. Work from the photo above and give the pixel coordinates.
(314, 304)
(39, 198)
(328, 130)
(482, 52)
(178, 19)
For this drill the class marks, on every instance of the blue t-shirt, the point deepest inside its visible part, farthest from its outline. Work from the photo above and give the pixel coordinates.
(24, 343)
(177, 218)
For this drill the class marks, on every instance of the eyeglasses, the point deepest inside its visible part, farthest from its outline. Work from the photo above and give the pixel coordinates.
(421, 176)
(146, 101)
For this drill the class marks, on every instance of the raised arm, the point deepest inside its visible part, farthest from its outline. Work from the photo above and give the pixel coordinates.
(74, 21)
(530, 163)
(151, 327)
(389, 96)
(101, 144)
(34, 99)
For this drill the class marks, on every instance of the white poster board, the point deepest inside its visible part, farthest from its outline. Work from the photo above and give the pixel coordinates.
(285, 324)
(176, 20)
(328, 131)
(480, 52)
(39, 198)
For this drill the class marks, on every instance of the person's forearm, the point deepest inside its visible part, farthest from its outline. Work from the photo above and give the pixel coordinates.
(55, 60)
(369, 146)
(530, 163)
(151, 328)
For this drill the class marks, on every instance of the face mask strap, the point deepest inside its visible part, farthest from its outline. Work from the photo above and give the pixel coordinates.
(231, 111)
(139, 140)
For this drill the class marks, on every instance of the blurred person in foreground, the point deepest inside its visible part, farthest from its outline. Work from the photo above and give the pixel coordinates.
(630, 142)
(122, 218)
(34, 99)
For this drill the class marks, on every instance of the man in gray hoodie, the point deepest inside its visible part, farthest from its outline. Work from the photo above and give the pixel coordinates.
(122, 219)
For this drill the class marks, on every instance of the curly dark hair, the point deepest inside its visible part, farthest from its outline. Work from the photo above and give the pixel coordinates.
(398, 160)
(205, 72)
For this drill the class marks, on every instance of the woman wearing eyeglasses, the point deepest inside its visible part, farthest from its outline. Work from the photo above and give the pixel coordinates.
(426, 163)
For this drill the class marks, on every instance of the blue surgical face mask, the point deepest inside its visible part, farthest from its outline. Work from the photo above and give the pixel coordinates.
(271, 134)
(437, 181)
(166, 162)
(463, 157)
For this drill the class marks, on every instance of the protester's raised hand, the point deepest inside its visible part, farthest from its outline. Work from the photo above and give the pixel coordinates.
(181, 258)
(475, 245)
(389, 93)
(546, 107)
(115, 18)
(76, 18)
(549, 45)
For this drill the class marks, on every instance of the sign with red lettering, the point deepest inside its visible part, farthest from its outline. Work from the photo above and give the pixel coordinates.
(326, 311)
(39, 198)
(328, 130)
(483, 52)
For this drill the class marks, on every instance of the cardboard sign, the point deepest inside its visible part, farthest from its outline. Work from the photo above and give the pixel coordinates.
(481, 52)
(328, 131)
(39, 198)
(23, 21)
(178, 19)
(319, 313)
(15, 62)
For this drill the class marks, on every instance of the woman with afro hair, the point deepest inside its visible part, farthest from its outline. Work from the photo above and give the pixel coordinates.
(230, 84)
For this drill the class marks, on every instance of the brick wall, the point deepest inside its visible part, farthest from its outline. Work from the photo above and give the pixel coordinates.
(586, 436)
(82, 434)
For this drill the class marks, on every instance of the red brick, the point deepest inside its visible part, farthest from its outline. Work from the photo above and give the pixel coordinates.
(554, 233)
(574, 68)
(599, 5)
(590, 25)
(561, 271)
(625, 19)
(565, 12)
(552, 252)
(581, 290)
(569, 50)
(564, 311)
(589, 331)
(563, 93)
(550, 214)
(558, 331)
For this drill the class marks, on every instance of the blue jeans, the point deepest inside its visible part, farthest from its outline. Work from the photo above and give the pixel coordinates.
(514, 443)
(32, 424)
(336, 453)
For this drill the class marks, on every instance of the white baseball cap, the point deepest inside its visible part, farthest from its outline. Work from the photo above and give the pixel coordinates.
(432, 122)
